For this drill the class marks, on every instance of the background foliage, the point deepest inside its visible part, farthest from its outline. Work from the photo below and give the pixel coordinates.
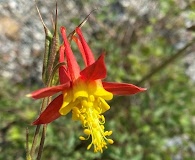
(138, 37)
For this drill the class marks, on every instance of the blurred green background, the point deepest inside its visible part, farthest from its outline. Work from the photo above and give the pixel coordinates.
(147, 42)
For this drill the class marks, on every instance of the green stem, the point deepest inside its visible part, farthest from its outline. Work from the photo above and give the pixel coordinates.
(28, 157)
(36, 134)
(47, 72)
(165, 63)
(40, 151)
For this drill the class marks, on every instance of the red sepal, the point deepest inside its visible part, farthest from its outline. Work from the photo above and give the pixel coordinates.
(72, 64)
(49, 91)
(51, 112)
(95, 71)
(88, 53)
(78, 42)
(122, 88)
(63, 74)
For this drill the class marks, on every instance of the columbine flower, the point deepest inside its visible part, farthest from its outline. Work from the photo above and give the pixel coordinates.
(82, 92)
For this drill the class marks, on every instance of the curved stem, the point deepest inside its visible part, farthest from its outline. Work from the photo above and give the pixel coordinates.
(28, 156)
(40, 151)
(165, 63)
(36, 134)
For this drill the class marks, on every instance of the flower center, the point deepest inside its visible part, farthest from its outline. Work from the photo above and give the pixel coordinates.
(87, 102)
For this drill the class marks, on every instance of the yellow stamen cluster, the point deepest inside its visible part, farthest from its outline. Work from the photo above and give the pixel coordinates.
(87, 100)
(90, 115)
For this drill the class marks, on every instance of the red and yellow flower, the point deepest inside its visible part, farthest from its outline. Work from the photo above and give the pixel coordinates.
(83, 92)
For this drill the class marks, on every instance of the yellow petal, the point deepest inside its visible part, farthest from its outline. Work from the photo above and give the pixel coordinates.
(101, 92)
(80, 89)
(67, 98)
(65, 109)
(104, 105)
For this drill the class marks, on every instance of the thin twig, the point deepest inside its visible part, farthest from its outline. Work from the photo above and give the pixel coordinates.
(54, 48)
(28, 157)
(36, 134)
(80, 25)
(35, 137)
(165, 63)
(46, 100)
(40, 151)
